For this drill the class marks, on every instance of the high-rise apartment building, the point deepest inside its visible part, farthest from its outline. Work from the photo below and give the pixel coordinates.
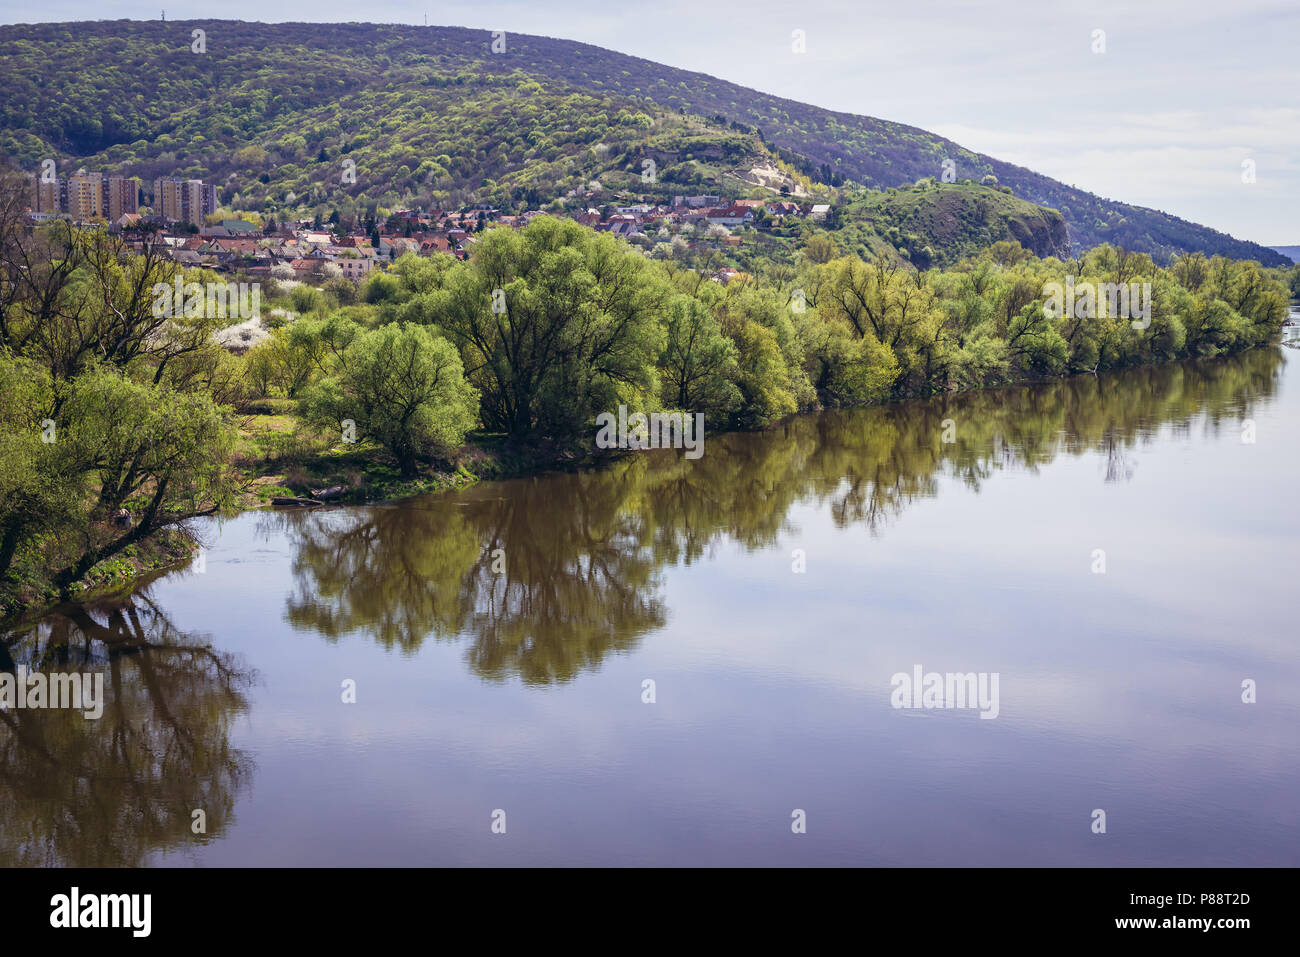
(184, 200)
(84, 196)
(46, 194)
(167, 198)
(121, 195)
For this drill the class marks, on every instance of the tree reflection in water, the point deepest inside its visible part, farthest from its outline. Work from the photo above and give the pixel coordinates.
(541, 578)
(109, 792)
(583, 553)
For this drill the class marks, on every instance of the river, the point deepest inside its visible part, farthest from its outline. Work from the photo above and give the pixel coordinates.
(692, 662)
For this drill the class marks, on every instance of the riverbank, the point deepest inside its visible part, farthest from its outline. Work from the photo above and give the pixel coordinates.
(30, 592)
(276, 458)
(275, 461)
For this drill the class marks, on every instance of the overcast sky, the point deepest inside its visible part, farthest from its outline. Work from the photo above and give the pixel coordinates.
(1183, 94)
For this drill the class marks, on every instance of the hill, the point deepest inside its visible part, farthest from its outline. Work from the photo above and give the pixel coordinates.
(940, 223)
(275, 112)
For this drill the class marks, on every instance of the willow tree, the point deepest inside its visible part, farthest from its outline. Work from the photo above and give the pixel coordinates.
(698, 364)
(555, 323)
(401, 386)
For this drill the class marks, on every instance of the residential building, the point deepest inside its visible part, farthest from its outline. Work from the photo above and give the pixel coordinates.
(354, 269)
(730, 216)
(46, 194)
(85, 194)
(184, 200)
(696, 201)
(121, 196)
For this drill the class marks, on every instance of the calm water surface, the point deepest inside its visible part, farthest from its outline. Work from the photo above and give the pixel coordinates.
(479, 689)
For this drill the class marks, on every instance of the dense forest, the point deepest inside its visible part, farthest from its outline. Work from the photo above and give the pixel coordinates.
(432, 115)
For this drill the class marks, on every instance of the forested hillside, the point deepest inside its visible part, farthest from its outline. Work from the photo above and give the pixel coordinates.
(277, 112)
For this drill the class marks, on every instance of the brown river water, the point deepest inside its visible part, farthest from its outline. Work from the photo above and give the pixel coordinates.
(671, 661)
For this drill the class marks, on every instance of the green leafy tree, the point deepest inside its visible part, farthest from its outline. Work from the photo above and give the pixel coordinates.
(40, 485)
(698, 368)
(162, 452)
(555, 323)
(404, 387)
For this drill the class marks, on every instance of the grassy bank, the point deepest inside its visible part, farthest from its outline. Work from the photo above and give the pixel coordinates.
(277, 456)
(29, 590)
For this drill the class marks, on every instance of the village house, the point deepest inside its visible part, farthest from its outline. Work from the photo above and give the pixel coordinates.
(696, 202)
(186, 258)
(398, 248)
(624, 226)
(385, 245)
(290, 249)
(730, 216)
(728, 275)
(244, 247)
(355, 269)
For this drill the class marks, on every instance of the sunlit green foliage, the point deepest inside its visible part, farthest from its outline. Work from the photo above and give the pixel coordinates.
(118, 421)
(401, 386)
(108, 408)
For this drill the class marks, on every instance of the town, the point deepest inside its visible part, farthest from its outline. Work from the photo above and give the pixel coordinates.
(187, 219)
